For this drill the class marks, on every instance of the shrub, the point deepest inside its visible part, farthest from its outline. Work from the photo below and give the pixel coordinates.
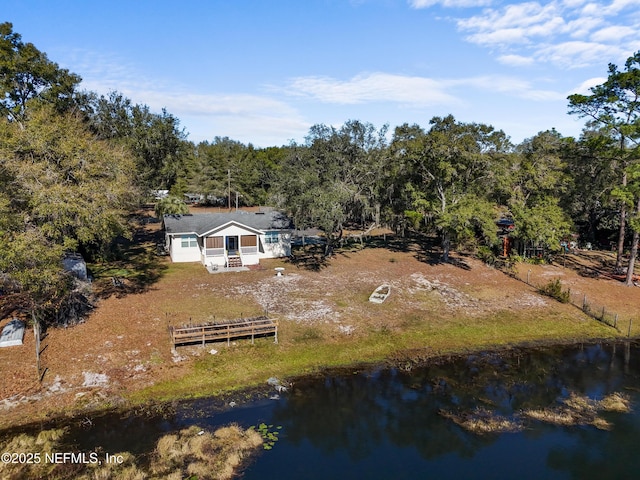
(553, 289)
(487, 255)
(515, 258)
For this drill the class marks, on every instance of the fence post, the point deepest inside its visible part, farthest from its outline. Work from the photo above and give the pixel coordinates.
(529, 277)
(602, 316)
(629, 331)
(615, 322)
(584, 303)
(37, 335)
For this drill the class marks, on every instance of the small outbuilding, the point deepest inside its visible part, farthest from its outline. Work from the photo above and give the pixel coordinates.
(12, 334)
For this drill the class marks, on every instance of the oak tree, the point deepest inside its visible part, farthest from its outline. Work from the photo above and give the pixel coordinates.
(63, 190)
(26, 73)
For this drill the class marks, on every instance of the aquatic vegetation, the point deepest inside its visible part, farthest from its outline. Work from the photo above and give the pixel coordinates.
(190, 453)
(202, 454)
(32, 448)
(616, 402)
(555, 416)
(483, 421)
(582, 410)
(269, 436)
(574, 410)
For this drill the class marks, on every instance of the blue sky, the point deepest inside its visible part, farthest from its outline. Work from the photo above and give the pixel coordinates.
(263, 72)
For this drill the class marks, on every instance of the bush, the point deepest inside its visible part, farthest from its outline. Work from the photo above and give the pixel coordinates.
(553, 289)
(515, 258)
(487, 255)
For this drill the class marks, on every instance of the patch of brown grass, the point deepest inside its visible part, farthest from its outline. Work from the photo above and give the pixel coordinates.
(582, 410)
(482, 421)
(207, 456)
(190, 452)
(44, 443)
(127, 470)
(616, 402)
(581, 404)
(562, 417)
(575, 410)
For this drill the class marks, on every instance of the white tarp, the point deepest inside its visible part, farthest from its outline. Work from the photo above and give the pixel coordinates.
(75, 264)
(12, 334)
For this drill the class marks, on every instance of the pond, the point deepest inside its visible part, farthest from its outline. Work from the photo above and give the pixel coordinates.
(412, 421)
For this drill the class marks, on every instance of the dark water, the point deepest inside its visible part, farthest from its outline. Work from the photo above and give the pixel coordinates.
(387, 423)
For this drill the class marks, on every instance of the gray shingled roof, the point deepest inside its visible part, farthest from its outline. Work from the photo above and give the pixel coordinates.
(202, 223)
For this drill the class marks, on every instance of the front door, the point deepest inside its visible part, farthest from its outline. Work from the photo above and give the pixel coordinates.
(232, 245)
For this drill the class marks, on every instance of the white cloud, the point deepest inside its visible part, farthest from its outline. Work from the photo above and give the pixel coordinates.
(259, 130)
(583, 26)
(498, 37)
(572, 3)
(449, 3)
(204, 116)
(509, 85)
(412, 91)
(566, 33)
(212, 104)
(585, 87)
(516, 60)
(415, 91)
(613, 34)
(231, 115)
(576, 54)
(618, 6)
(104, 72)
(373, 87)
(515, 23)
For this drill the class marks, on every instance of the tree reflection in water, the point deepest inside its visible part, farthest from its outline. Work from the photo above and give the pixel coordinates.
(388, 422)
(356, 413)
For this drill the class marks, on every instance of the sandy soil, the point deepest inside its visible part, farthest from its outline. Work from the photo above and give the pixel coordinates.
(124, 345)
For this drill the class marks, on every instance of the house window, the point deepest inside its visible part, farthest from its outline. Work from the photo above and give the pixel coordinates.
(188, 241)
(272, 237)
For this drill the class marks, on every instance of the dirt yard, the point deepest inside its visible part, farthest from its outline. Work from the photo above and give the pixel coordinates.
(124, 345)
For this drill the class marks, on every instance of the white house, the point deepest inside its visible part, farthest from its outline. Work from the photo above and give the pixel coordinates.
(232, 239)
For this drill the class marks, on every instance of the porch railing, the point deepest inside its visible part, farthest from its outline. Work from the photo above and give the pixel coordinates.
(248, 250)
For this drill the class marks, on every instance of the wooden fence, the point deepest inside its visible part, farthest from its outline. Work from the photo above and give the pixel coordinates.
(226, 330)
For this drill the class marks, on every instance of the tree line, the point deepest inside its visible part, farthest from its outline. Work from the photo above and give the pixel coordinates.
(75, 164)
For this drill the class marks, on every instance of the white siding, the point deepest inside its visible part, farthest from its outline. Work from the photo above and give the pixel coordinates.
(179, 253)
(282, 248)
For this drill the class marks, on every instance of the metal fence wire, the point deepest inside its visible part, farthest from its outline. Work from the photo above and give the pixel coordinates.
(598, 312)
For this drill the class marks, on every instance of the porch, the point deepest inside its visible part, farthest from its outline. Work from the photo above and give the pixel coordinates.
(231, 251)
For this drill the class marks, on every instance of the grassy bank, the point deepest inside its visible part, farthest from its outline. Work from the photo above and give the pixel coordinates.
(435, 309)
(303, 350)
